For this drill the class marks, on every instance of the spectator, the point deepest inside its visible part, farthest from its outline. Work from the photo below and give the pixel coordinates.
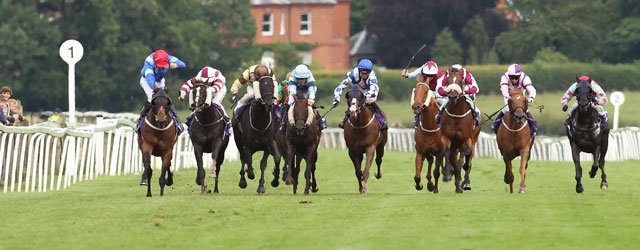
(16, 108)
(6, 116)
(58, 118)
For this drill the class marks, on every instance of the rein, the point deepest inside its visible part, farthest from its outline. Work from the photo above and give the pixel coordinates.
(427, 130)
(515, 130)
(195, 116)
(146, 120)
(251, 120)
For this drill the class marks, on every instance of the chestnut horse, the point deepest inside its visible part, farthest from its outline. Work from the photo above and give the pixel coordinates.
(207, 133)
(586, 135)
(427, 135)
(158, 136)
(458, 132)
(362, 135)
(514, 138)
(302, 139)
(257, 128)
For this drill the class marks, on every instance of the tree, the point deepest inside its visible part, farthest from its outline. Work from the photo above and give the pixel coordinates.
(358, 15)
(446, 50)
(475, 34)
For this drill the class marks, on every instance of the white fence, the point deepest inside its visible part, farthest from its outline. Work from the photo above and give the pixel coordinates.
(624, 144)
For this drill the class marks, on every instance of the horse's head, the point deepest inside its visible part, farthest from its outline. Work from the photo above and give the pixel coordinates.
(517, 103)
(456, 85)
(356, 98)
(300, 115)
(200, 97)
(584, 94)
(160, 106)
(264, 87)
(421, 97)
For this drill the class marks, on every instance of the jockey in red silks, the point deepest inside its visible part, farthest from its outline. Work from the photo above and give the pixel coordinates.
(516, 78)
(429, 70)
(470, 90)
(600, 100)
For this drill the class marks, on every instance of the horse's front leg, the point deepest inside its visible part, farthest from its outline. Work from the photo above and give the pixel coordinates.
(524, 160)
(457, 169)
(147, 173)
(290, 155)
(277, 156)
(312, 163)
(197, 151)
(436, 171)
(576, 161)
(430, 185)
(594, 166)
(604, 146)
(307, 173)
(447, 168)
(367, 166)
(296, 172)
(263, 167)
(508, 172)
(245, 159)
(468, 154)
(356, 159)
(215, 150)
(418, 176)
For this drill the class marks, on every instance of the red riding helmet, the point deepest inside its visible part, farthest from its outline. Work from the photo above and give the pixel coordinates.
(161, 58)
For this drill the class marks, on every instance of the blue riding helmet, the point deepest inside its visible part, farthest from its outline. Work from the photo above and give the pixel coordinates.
(365, 64)
(301, 72)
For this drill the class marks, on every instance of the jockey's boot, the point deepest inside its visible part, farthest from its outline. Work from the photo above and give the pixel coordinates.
(143, 113)
(344, 119)
(533, 124)
(496, 123)
(603, 121)
(439, 116)
(176, 119)
(376, 109)
(321, 121)
(416, 121)
(285, 119)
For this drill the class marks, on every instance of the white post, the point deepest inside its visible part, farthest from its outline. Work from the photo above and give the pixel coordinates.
(617, 99)
(71, 52)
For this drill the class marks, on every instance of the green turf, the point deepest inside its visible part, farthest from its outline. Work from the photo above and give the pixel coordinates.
(112, 212)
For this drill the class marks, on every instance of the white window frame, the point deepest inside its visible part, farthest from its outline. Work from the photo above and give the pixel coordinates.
(269, 23)
(308, 23)
(282, 22)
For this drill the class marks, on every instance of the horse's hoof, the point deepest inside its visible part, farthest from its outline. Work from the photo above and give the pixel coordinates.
(522, 190)
(242, 184)
(466, 186)
(592, 173)
(306, 191)
(604, 186)
(144, 182)
(419, 187)
(430, 187)
(275, 183)
(314, 189)
(506, 180)
(289, 181)
(169, 182)
(378, 175)
(216, 191)
(446, 178)
(459, 190)
(198, 182)
(435, 191)
(148, 195)
(579, 189)
(260, 190)
(251, 175)
(213, 175)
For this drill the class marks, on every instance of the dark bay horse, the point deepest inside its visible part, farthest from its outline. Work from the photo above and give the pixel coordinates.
(514, 138)
(158, 136)
(256, 129)
(207, 133)
(585, 134)
(459, 134)
(362, 135)
(302, 139)
(427, 135)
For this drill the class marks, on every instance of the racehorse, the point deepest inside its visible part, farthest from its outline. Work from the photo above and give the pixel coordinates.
(514, 138)
(458, 132)
(427, 135)
(302, 139)
(585, 134)
(158, 136)
(362, 135)
(256, 128)
(207, 133)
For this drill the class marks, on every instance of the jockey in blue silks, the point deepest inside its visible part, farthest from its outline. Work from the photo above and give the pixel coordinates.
(363, 73)
(153, 73)
(302, 81)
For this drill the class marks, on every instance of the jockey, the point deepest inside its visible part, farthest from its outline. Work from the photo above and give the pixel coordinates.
(302, 80)
(214, 80)
(283, 88)
(363, 73)
(600, 100)
(470, 90)
(430, 72)
(248, 77)
(516, 78)
(155, 69)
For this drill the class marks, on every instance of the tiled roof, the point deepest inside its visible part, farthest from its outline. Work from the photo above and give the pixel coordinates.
(285, 2)
(362, 43)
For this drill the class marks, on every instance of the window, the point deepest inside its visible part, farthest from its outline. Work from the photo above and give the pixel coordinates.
(305, 56)
(282, 24)
(267, 24)
(305, 23)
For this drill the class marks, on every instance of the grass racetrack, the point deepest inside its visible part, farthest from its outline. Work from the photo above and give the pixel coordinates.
(112, 212)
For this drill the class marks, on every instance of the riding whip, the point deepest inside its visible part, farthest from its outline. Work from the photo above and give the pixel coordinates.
(490, 117)
(332, 107)
(414, 55)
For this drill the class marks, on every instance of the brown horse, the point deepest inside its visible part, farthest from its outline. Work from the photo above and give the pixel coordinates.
(514, 138)
(302, 139)
(427, 135)
(157, 138)
(458, 132)
(362, 135)
(207, 133)
(256, 129)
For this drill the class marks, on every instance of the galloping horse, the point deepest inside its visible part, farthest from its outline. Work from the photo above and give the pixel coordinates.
(586, 135)
(302, 139)
(514, 138)
(458, 132)
(427, 135)
(362, 135)
(256, 129)
(157, 138)
(207, 133)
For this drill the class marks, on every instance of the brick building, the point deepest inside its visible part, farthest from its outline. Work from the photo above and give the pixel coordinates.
(321, 22)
